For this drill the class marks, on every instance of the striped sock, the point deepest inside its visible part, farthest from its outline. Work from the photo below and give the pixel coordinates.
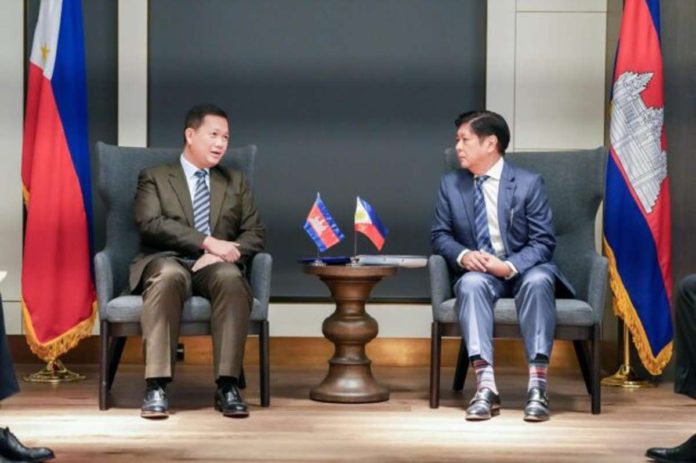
(484, 375)
(538, 369)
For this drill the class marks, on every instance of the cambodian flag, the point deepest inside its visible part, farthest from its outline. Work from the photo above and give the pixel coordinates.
(637, 228)
(320, 226)
(367, 223)
(58, 296)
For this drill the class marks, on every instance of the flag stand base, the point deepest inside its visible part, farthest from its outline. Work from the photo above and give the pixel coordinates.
(55, 373)
(625, 377)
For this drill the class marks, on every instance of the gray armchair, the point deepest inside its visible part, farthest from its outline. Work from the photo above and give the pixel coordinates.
(575, 185)
(119, 312)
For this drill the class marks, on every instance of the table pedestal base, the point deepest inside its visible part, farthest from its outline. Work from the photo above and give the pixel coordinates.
(349, 384)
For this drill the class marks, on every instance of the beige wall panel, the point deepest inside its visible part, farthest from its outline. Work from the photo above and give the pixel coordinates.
(562, 5)
(500, 61)
(132, 72)
(11, 115)
(13, 317)
(559, 86)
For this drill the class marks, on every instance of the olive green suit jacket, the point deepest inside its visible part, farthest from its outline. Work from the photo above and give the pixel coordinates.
(163, 211)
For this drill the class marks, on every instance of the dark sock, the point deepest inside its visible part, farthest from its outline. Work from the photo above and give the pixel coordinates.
(157, 383)
(226, 382)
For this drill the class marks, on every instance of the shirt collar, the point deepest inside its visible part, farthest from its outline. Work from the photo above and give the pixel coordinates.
(496, 170)
(189, 169)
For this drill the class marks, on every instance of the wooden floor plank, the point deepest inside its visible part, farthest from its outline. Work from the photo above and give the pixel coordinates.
(295, 429)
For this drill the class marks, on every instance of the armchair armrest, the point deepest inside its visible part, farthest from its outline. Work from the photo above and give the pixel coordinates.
(598, 285)
(260, 277)
(440, 289)
(103, 279)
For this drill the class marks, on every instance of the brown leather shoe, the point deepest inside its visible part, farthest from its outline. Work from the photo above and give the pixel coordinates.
(483, 406)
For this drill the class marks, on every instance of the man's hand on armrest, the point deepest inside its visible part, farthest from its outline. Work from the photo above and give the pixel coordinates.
(227, 250)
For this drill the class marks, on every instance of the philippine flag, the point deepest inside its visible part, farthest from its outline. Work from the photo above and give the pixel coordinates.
(367, 223)
(58, 297)
(320, 226)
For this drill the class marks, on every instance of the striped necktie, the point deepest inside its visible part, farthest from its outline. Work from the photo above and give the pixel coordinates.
(483, 237)
(201, 204)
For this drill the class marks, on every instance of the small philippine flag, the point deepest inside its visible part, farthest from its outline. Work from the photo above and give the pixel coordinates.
(367, 223)
(320, 226)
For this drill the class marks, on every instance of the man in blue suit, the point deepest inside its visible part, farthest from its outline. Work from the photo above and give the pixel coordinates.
(10, 447)
(493, 225)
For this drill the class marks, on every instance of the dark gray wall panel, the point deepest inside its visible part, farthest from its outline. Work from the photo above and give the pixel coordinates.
(343, 97)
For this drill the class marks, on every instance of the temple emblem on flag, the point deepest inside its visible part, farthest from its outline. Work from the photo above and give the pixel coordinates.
(321, 227)
(636, 137)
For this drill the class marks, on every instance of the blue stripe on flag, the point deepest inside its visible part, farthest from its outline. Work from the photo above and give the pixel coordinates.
(329, 219)
(633, 245)
(70, 91)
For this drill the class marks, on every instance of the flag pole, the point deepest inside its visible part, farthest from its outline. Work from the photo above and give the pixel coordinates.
(625, 377)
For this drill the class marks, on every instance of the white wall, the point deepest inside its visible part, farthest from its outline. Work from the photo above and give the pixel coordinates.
(545, 74)
(11, 122)
(546, 70)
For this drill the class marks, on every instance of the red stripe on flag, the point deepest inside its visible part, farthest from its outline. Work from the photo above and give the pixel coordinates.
(57, 284)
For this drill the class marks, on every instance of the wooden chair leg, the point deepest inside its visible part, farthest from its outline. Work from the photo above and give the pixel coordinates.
(462, 367)
(103, 365)
(264, 366)
(583, 361)
(435, 346)
(115, 351)
(596, 370)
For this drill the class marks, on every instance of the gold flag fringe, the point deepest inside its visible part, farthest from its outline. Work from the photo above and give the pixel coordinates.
(54, 348)
(624, 309)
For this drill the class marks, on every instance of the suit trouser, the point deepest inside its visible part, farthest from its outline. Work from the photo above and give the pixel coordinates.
(685, 337)
(167, 283)
(8, 380)
(535, 302)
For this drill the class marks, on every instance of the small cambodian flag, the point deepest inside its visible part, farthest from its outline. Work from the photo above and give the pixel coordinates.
(320, 226)
(367, 223)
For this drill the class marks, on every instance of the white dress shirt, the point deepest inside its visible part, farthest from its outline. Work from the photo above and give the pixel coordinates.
(190, 174)
(490, 189)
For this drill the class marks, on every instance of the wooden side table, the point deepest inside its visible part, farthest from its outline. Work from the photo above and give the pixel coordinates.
(350, 328)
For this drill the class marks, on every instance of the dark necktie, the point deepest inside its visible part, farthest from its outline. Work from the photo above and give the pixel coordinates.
(483, 237)
(201, 204)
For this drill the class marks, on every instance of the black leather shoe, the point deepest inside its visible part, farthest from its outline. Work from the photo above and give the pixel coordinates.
(228, 400)
(483, 406)
(685, 452)
(12, 449)
(537, 408)
(155, 404)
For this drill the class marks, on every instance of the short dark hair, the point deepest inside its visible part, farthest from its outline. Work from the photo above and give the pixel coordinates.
(195, 115)
(485, 123)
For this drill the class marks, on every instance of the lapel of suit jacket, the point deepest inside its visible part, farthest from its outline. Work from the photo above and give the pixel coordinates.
(465, 185)
(177, 179)
(218, 190)
(506, 207)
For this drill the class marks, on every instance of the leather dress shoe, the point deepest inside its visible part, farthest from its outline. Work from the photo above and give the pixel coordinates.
(483, 406)
(228, 400)
(13, 450)
(685, 452)
(155, 404)
(537, 408)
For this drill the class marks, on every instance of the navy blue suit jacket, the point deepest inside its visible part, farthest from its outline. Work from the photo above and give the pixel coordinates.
(524, 215)
(8, 381)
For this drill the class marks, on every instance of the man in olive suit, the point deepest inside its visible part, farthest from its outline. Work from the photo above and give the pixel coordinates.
(198, 229)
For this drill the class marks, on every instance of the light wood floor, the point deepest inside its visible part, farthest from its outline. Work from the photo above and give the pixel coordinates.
(296, 429)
